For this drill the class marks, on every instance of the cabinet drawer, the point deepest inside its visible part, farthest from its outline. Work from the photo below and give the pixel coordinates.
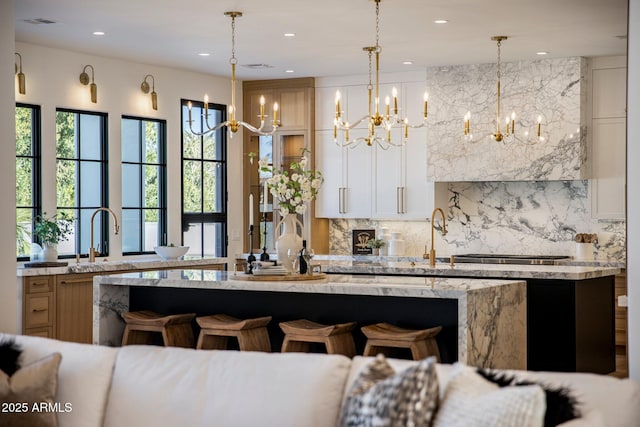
(38, 310)
(46, 332)
(38, 284)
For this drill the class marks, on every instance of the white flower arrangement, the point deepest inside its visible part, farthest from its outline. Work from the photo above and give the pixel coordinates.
(293, 190)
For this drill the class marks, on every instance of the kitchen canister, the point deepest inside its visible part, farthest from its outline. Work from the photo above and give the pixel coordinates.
(396, 245)
(384, 236)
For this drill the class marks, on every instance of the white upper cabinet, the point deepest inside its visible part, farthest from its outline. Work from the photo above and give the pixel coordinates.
(608, 133)
(368, 181)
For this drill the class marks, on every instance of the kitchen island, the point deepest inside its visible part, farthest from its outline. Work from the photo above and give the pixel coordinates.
(570, 308)
(483, 320)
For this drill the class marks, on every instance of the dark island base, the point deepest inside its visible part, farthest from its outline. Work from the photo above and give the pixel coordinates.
(415, 313)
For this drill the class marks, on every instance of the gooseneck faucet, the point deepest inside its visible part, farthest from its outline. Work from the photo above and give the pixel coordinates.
(116, 228)
(432, 253)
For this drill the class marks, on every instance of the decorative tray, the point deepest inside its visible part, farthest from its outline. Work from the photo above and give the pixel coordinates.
(277, 278)
(39, 264)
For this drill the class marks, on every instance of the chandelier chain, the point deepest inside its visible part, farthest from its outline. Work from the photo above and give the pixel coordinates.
(370, 86)
(499, 61)
(377, 25)
(233, 59)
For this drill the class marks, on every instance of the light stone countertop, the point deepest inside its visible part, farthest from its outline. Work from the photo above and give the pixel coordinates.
(421, 287)
(125, 264)
(506, 271)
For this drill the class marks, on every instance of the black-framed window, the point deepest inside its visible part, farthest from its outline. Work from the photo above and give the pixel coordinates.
(144, 187)
(28, 169)
(204, 182)
(81, 178)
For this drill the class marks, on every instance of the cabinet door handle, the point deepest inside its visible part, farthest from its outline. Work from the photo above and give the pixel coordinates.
(72, 281)
(39, 283)
(400, 200)
(39, 310)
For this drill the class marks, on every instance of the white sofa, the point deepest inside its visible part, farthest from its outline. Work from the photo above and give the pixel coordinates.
(155, 386)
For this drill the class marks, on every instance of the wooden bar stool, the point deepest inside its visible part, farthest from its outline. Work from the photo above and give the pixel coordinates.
(383, 336)
(252, 334)
(175, 328)
(336, 338)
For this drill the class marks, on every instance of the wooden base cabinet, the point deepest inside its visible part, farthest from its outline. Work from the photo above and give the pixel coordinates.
(75, 307)
(38, 309)
(61, 306)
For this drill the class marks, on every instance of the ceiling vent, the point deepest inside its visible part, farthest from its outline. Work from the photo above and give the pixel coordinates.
(38, 21)
(257, 66)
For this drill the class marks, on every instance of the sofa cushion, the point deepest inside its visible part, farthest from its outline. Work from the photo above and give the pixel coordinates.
(159, 387)
(83, 378)
(381, 397)
(27, 396)
(472, 401)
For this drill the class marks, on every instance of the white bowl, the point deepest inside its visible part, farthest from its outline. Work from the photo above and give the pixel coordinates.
(171, 252)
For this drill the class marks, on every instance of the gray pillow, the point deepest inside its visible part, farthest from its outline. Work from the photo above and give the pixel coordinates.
(382, 398)
(27, 397)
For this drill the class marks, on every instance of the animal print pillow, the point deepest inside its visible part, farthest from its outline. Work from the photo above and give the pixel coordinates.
(383, 398)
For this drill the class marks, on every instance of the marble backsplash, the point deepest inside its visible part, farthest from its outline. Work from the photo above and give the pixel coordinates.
(533, 218)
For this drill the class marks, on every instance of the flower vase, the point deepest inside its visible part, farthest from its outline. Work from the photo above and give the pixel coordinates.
(50, 252)
(288, 240)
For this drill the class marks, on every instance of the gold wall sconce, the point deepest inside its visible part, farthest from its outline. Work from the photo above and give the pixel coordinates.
(22, 86)
(84, 79)
(145, 88)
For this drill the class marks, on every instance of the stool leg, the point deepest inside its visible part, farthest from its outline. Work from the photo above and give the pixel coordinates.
(374, 350)
(134, 336)
(341, 344)
(432, 347)
(289, 346)
(256, 339)
(211, 342)
(180, 335)
(419, 350)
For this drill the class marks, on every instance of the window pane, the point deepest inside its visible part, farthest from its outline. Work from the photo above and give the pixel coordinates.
(85, 226)
(152, 236)
(192, 238)
(90, 184)
(213, 196)
(65, 135)
(68, 246)
(130, 140)
(24, 182)
(131, 186)
(24, 219)
(91, 137)
(152, 135)
(191, 142)
(66, 183)
(151, 186)
(192, 186)
(213, 239)
(24, 126)
(266, 150)
(131, 230)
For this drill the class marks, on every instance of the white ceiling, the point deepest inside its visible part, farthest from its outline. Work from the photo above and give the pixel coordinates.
(330, 34)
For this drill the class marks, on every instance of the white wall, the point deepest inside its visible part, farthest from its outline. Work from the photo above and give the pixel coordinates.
(8, 289)
(633, 188)
(53, 81)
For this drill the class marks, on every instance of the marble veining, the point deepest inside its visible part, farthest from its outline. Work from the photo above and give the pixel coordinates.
(552, 88)
(490, 312)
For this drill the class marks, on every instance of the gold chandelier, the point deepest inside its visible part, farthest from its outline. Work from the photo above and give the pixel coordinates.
(509, 121)
(376, 121)
(232, 123)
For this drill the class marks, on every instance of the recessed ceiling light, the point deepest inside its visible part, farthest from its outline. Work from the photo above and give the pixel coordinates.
(542, 52)
(407, 62)
(289, 71)
(440, 21)
(204, 54)
(289, 34)
(98, 33)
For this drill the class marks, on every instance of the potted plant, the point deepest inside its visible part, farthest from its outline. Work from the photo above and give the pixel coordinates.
(50, 231)
(375, 245)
